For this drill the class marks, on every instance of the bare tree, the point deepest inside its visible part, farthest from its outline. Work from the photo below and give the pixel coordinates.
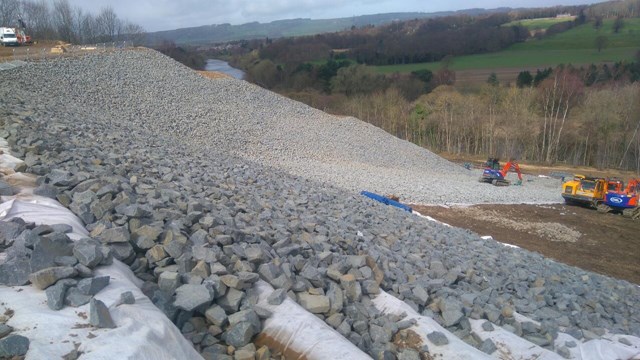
(63, 20)
(37, 17)
(108, 23)
(558, 95)
(9, 12)
(133, 33)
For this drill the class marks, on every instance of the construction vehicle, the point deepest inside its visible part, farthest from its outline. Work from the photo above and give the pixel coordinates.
(495, 175)
(625, 200)
(8, 37)
(23, 38)
(584, 190)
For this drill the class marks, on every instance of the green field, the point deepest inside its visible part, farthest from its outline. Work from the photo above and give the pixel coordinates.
(576, 46)
(538, 24)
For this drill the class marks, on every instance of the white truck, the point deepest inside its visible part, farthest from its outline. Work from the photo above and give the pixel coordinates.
(8, 37)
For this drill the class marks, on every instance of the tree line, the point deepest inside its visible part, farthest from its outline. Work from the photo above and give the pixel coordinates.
(561, 120)
(62, 21)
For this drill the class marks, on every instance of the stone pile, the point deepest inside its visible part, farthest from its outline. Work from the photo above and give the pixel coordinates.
(48, 259)
(200, 227)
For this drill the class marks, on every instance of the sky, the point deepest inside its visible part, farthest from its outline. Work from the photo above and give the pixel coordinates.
(156, 15)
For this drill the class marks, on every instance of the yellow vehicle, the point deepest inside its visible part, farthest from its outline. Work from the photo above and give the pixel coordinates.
(584, 190)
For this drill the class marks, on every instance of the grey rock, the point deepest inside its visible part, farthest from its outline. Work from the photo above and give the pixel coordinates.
(216, 315)
(56, 293)
(83, 271)
(65, 261)
(488, 346)
(6, 189)
(351, 287)
(74, 297)
(46, 190)
(99, 315)
(487, 326)
(190, 297)
(13, 345)
(380, 334)
(277, 297)
(230, 302)
(127, 298)
(87, 252)
(316, 304)
(240, 334)
(438, 338)
(370, 287)
(420, 295)
(48, 248)
(564, 352)
(408, 354)
(248, 315)
(145, 237)
(169, 282)
(91, 286)
(118, 234)
(5, 330)
(122, 251)
(46, 277)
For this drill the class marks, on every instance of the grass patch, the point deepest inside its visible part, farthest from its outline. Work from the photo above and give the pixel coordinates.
(576, 46)
(538, 24)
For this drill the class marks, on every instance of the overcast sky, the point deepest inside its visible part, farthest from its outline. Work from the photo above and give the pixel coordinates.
(155, 15)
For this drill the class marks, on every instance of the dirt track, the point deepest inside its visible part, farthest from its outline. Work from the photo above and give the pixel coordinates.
(604, 243)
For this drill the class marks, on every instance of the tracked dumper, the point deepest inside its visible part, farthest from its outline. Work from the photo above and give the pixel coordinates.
(584, 190)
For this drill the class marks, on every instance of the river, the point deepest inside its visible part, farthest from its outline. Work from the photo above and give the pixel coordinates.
(223, 67)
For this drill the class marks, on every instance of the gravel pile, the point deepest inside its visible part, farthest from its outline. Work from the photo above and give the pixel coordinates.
(235, 117)
(160, 175)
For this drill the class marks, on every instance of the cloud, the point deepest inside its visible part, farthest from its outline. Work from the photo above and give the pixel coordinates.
(156, 15)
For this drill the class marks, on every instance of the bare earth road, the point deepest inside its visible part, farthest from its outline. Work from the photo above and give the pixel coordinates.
(608, 244)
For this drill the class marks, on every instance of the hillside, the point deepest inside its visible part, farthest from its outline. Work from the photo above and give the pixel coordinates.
(218, 33)
(575, 46)
(207, 192)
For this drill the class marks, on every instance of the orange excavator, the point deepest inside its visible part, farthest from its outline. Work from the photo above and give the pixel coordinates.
(496, 176)
(624, 200)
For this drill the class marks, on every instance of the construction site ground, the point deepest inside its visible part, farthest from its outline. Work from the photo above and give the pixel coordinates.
(608, 244)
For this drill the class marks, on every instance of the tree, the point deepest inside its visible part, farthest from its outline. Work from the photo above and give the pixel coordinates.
(493, 79)
(109, 26)
(618, 24)
(557, 96)
(9, 11)
(64, 20)
(597, 22)
(37, 16)
(524, 79)
(357, 79)
(601, 42)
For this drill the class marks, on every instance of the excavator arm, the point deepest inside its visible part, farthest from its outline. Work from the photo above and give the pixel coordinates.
(511, 165)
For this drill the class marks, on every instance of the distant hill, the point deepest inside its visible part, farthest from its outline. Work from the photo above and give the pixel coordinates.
(294, 27)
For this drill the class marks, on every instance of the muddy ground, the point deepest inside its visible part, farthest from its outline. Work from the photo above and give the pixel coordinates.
(608, 244)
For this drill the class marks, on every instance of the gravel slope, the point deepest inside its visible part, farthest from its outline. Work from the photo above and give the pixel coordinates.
(128, 152)
(233, 116)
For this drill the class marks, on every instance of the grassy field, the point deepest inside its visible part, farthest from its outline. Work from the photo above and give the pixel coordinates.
(576, 46)
(538, 24)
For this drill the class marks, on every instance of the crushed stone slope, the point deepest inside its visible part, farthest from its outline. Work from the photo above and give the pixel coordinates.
(147, 89)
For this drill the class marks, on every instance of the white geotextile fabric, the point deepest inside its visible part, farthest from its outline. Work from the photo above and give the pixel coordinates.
(455, 349)
(298, 330)
(508, 344)
(143, 331)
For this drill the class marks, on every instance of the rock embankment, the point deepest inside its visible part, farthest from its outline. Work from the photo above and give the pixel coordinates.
(169, 171)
